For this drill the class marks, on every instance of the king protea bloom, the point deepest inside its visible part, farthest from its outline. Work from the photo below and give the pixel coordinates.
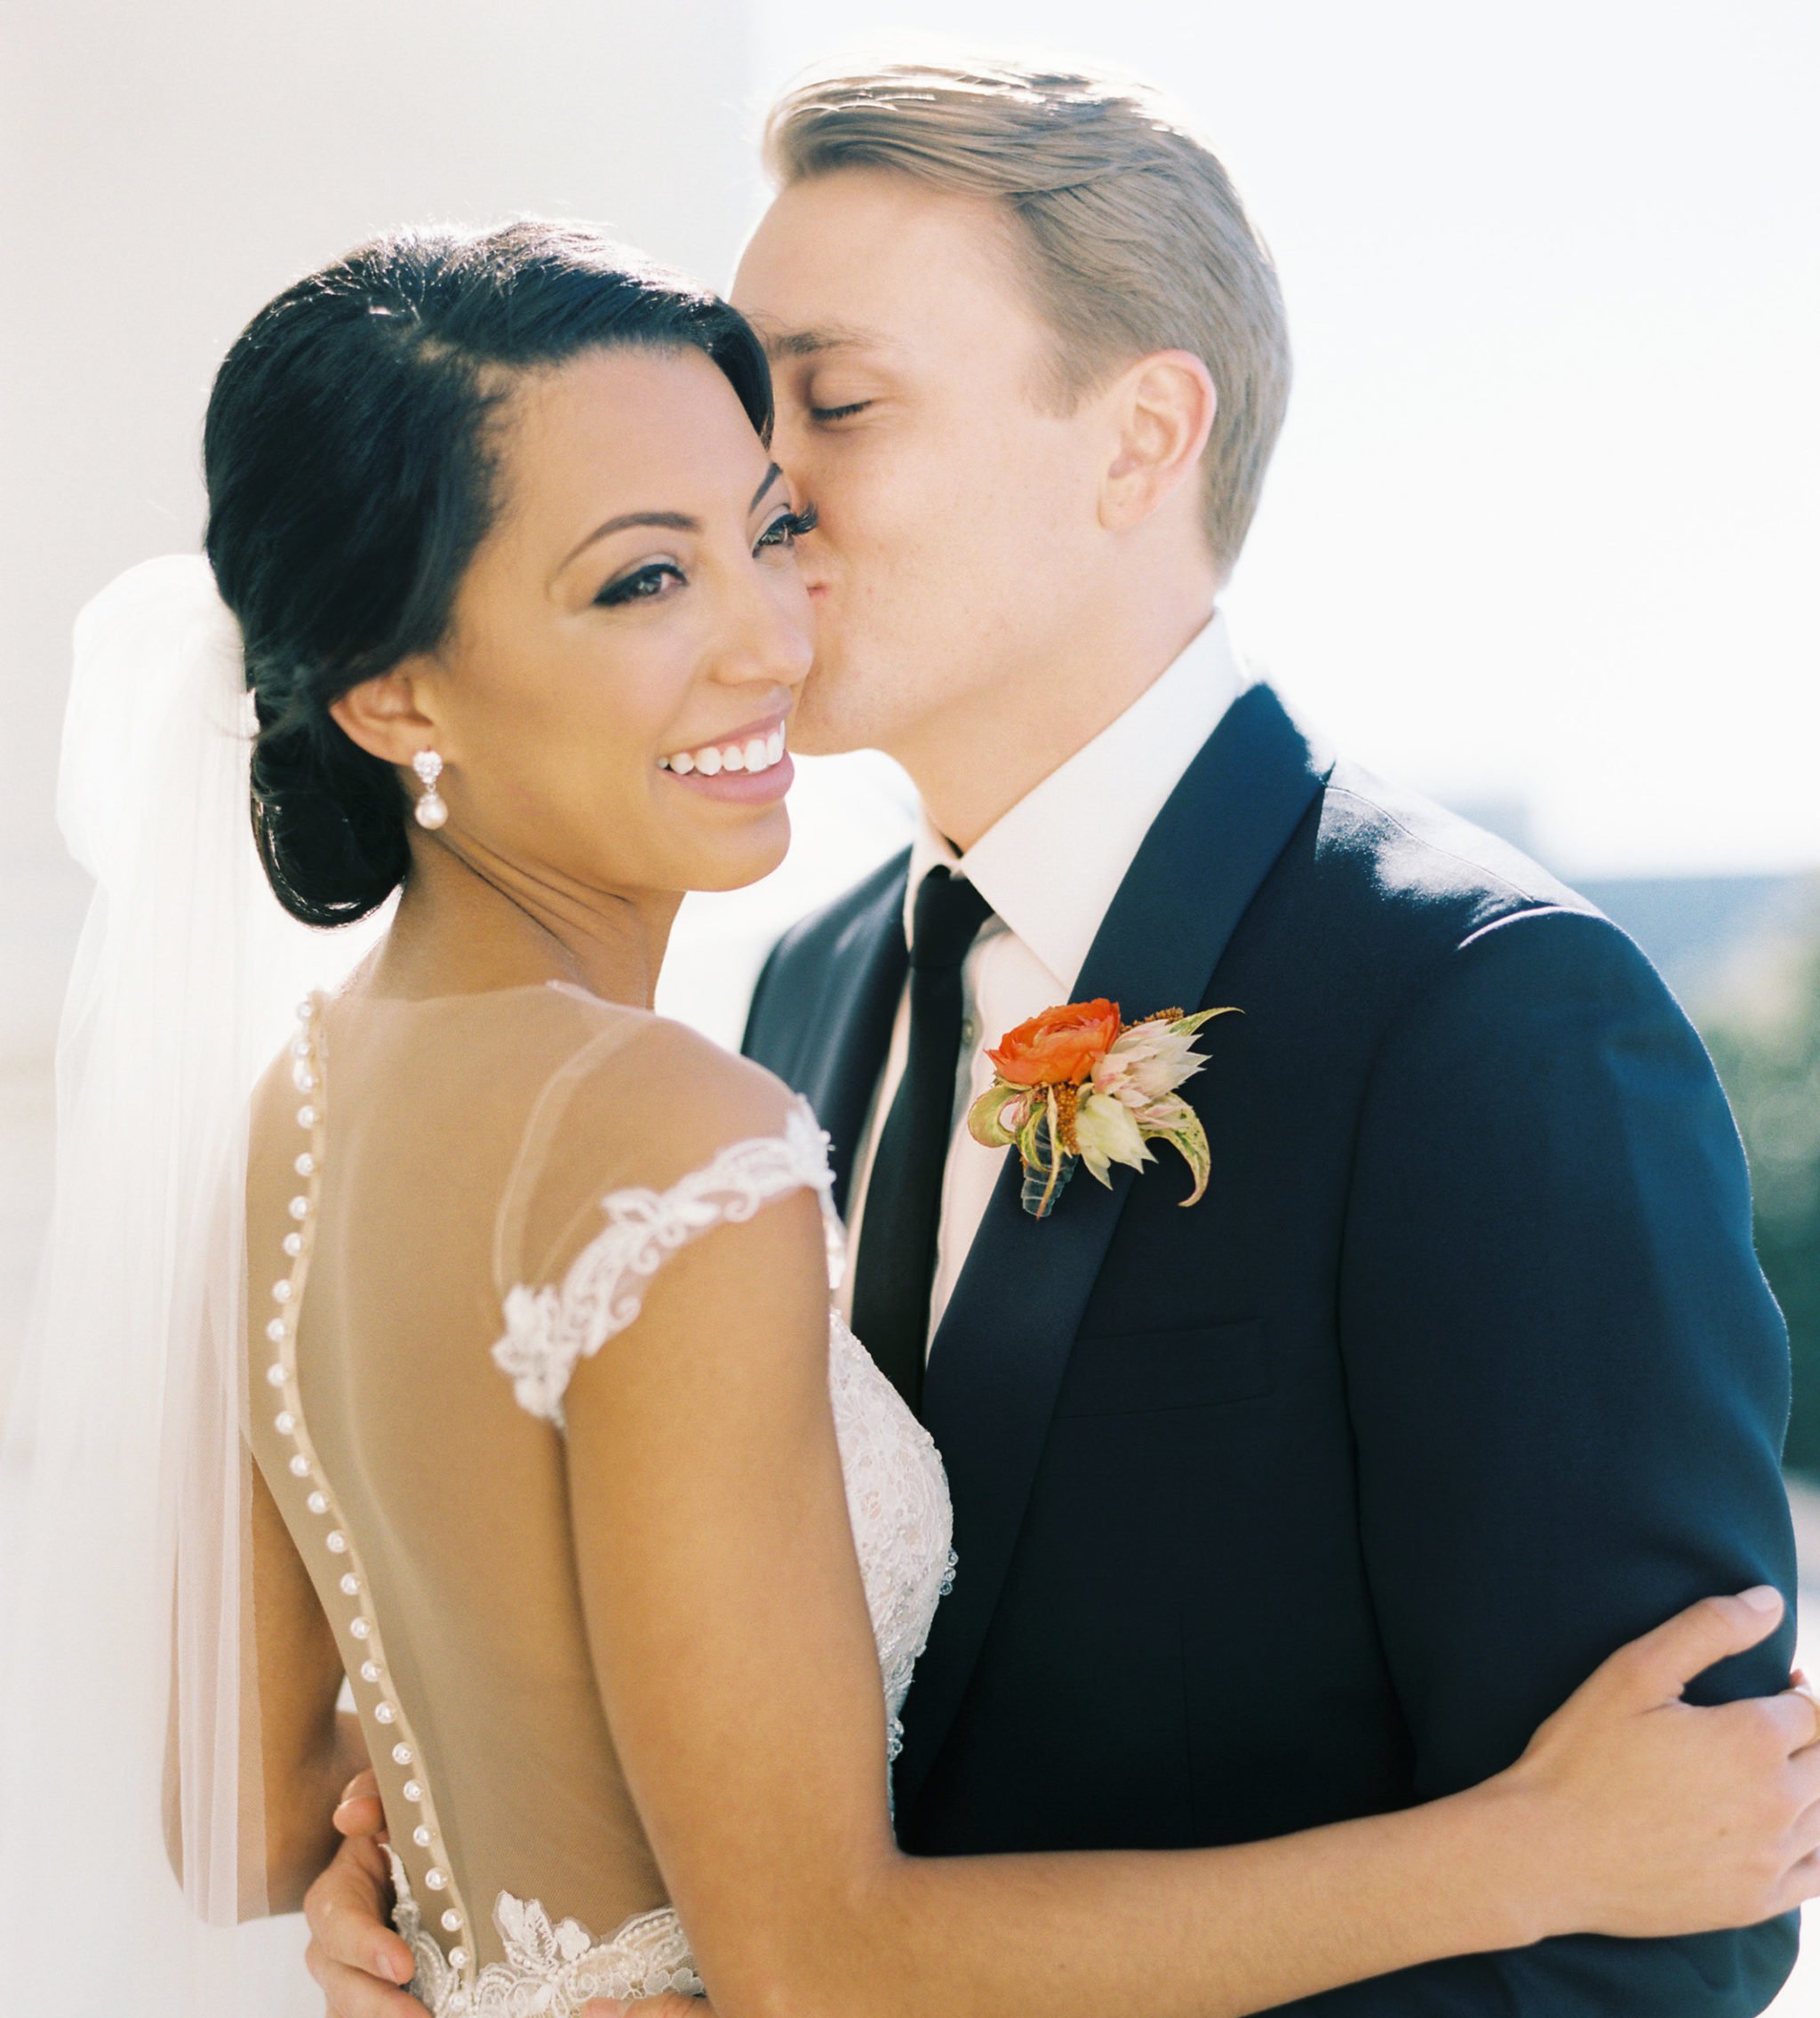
(1077, 1082)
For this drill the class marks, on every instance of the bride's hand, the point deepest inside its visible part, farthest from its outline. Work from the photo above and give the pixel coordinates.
(1643, 1815)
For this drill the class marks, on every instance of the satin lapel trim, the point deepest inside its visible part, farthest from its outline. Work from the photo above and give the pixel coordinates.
(844, 1052)
(1000, 1352)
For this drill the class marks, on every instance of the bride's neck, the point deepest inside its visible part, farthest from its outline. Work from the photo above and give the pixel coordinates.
(466, 925)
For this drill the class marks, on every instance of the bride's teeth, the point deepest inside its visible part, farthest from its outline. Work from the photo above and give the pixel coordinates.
(756, 754)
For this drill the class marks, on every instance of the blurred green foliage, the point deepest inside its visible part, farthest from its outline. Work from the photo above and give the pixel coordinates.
(1771, 1070)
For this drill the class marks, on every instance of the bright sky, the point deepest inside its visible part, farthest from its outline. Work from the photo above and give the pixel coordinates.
(1544, 519)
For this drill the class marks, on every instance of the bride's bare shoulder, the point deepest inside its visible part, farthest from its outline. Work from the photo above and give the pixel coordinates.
(554, 1091)
(672, 1097)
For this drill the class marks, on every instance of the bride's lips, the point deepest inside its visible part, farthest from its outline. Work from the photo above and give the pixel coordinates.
(741, 787)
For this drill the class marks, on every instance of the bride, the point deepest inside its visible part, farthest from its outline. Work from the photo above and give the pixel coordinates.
(510, 1391)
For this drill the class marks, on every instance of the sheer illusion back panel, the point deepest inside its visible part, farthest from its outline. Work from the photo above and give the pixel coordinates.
(466, 1145)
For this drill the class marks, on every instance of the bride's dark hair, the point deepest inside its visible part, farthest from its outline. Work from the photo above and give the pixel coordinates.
(351, 475)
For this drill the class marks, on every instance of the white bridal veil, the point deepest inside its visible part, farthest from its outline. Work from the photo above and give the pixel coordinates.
(127, 1693)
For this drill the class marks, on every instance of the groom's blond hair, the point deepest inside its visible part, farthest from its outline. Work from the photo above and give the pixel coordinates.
(1132, 237)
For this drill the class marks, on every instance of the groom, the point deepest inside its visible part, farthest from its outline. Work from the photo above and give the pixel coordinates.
(1314, 1499)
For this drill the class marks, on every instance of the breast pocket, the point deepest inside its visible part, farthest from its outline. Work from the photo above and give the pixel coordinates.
(1198, 1366)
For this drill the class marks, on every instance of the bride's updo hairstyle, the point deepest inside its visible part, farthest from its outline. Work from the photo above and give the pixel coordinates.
(351, 453)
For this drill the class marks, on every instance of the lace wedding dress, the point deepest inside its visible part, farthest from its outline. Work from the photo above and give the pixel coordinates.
(415, 1450)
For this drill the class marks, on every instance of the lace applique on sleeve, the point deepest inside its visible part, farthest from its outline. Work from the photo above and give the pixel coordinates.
(548, 1330)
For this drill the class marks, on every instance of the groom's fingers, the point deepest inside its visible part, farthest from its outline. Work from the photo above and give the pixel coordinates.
(345, 1908)
(1656, 1668)
(670, 2005)
(364, 1785)
(360, 1812)
(364, 1815)
(350, 1994)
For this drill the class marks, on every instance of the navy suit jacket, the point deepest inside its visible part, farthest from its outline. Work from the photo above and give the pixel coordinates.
(1316, 1500)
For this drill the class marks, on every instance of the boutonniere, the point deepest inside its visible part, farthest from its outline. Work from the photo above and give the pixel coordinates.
(1078, 1084)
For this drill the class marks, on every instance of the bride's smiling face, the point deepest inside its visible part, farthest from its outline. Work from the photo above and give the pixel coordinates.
(612, 697)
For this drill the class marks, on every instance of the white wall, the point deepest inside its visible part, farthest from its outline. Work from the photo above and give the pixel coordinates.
(165, 169)
(1543, 519)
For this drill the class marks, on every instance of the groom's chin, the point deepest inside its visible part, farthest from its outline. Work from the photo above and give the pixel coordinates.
(824, 724)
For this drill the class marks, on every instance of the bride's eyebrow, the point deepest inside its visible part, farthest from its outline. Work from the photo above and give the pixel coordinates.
(668, 521)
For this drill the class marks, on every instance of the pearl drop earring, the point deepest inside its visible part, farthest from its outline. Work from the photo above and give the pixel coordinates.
(431, 812)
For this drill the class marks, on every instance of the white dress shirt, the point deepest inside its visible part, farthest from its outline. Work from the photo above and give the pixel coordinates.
(1050, 868)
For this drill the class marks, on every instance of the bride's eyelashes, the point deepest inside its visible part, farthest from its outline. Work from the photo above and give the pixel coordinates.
(646, 583)
(827, 416)
(788, 528)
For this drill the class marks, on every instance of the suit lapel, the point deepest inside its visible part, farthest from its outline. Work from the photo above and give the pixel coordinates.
(1001, 1349)
(848, 1030)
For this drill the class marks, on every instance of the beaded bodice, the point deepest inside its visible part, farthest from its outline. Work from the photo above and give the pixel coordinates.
(896, 1499)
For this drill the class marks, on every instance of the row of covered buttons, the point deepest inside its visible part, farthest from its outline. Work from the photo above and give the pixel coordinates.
(288, 1422)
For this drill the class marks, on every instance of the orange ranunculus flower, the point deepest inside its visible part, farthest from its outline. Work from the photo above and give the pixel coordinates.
(1058, 1048)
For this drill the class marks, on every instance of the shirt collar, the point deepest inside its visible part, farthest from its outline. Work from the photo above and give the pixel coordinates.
(1051, 866)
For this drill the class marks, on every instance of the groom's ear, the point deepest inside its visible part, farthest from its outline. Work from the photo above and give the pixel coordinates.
(1161, 411)
(387, 715)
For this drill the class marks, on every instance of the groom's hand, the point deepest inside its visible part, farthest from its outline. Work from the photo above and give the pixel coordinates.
(672, 2004)
(357, 1959)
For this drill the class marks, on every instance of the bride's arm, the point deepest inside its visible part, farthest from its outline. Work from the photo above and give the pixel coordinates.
(309, 1748)
(738, 1672)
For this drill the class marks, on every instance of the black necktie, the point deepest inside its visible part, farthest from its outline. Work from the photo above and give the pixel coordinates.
(902, 1216)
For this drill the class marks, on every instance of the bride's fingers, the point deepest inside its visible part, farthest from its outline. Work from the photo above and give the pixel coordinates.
(1804, 1779)
(1801, 1884)
(1802, 1686)
(1803, 1771)
(1655, 1670)
(1793, 1717)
